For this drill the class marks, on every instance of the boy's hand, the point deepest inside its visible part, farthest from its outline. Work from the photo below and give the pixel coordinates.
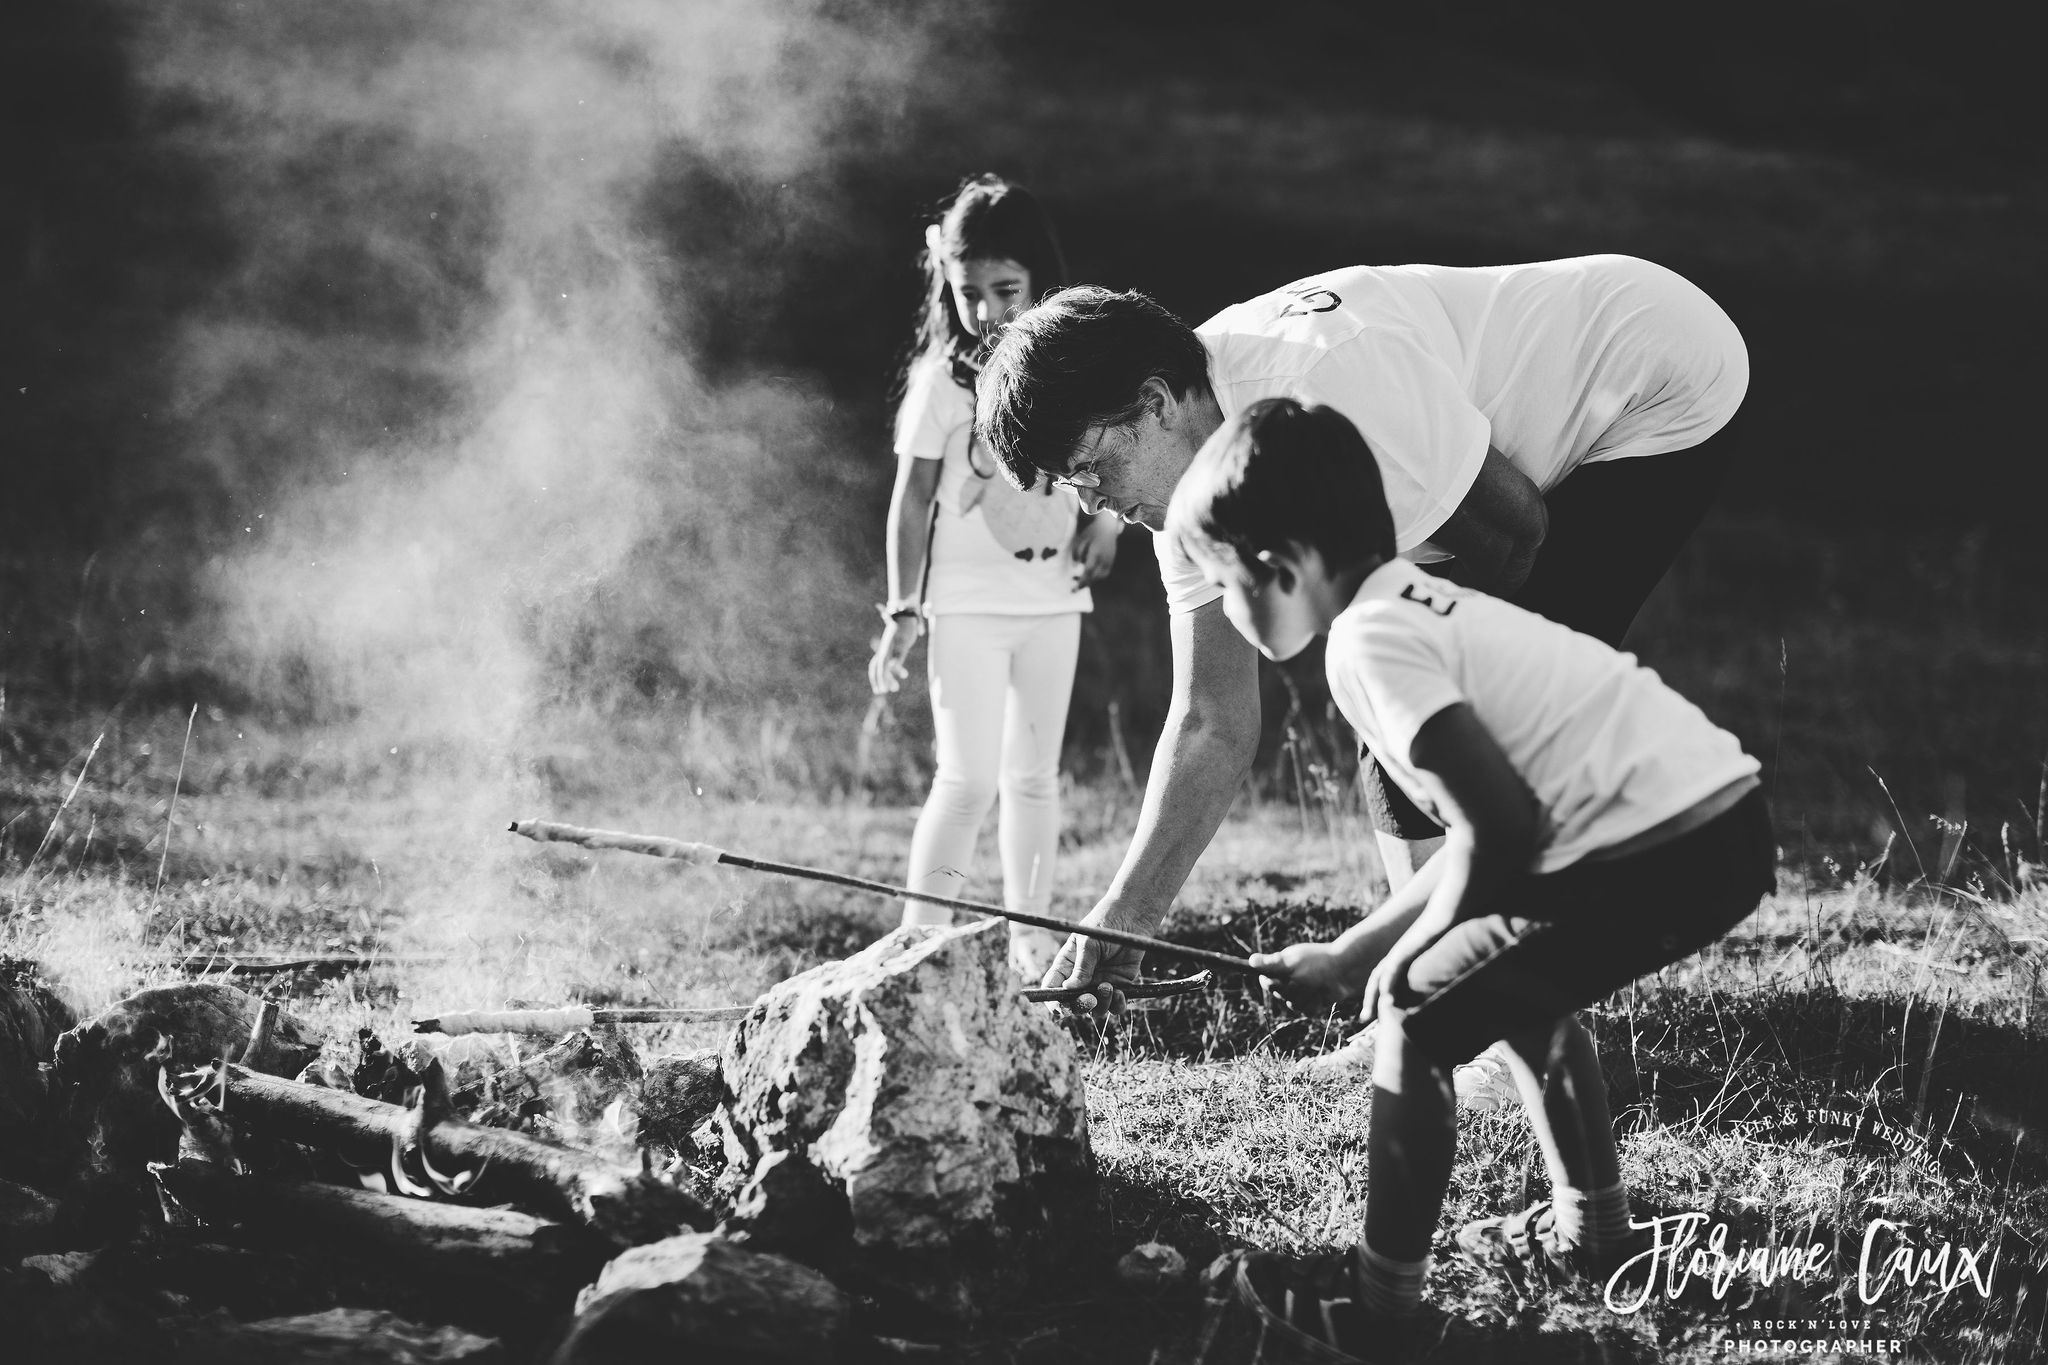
(1389, 979)
(1088, 964)
(1313, 975)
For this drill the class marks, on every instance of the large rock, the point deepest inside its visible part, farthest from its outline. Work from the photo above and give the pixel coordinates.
(947, 1112)
(699, 1297)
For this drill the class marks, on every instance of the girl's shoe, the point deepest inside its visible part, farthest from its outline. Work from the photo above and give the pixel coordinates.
(1032, 951)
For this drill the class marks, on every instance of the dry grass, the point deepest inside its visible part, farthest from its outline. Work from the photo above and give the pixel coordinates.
(1897, 999)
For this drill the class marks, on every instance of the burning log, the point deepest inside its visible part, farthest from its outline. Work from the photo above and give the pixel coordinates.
(678, 1094)
(495, 1246)
(344, 1336)
(110, 1066)
(625, 1207)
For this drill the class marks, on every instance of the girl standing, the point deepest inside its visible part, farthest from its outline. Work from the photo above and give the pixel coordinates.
(1001, 576)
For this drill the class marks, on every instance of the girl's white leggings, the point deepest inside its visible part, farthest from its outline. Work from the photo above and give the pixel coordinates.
(999, 687)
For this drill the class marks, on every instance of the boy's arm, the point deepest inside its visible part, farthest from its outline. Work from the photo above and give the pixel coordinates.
(1494, 824)
(1211, 736)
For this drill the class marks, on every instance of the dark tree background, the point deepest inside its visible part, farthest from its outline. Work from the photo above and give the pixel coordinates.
(1861, 186)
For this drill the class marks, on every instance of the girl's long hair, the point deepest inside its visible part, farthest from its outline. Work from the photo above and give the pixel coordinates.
(986, 219)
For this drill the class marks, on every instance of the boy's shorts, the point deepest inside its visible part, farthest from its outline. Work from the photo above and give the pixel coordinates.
(1582, 933)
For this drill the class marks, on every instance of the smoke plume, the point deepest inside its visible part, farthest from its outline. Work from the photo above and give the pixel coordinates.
(453, 399)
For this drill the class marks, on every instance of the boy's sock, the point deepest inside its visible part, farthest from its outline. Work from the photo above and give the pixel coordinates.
(1387, 1286)
(1591, 1220)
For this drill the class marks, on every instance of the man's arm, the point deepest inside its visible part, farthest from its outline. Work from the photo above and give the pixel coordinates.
(1211, 737)
(1496, 530)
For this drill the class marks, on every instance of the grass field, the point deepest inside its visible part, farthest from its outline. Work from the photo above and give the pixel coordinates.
(1893, 999)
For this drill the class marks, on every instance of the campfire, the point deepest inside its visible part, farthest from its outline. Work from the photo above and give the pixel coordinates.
(886, 1148)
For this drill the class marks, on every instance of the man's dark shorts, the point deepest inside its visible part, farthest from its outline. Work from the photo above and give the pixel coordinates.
(1615, 530)
(1582, 933)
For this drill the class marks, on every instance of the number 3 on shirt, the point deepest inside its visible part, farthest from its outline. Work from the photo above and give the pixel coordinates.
(1423, 599)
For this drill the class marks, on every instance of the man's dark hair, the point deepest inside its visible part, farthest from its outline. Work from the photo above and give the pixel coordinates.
(1277, 474)
(1078, 360)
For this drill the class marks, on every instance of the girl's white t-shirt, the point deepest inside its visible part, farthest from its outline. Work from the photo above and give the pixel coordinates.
(994, 550)
(1607, 748)
(1555, 364)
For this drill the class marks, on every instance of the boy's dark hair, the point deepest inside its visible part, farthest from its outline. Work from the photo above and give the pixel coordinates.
(1277, 474)
(986, 219)
(1078, 360)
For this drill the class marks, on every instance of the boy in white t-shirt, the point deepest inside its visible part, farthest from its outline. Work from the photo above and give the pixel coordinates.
(1599, 828)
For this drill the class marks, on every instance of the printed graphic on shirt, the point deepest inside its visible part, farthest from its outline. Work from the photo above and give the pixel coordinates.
(1032, 525)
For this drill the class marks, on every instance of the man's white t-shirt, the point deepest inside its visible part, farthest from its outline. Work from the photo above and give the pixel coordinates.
(994, 550)
(1554, 364)
(1607, 748)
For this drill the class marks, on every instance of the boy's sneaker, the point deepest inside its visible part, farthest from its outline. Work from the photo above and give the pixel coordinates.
(1523, 1247)
(1483, 1084)
(1350, 1062)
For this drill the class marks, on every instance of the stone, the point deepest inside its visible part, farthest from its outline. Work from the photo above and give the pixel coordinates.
(31, 1018)
(339, 1336)
(789, 1207)
(698, 1296)
(915, 1080)
(677, 1095)
(108, 1066)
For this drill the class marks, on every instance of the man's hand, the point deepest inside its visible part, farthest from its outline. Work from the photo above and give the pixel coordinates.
(1313, 975)
(1088, 964)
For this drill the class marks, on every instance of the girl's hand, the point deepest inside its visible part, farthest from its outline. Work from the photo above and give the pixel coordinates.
(1094, 549)
(888, 669)
(1314, 975)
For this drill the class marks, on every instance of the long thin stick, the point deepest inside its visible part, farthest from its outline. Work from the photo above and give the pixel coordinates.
(171, 817)
(659, 846)
(571, 1017)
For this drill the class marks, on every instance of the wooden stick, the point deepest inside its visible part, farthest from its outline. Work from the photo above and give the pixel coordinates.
(658, 846)
(562, 1182)
(476, 1244)
(240, 964)
(569, 1018)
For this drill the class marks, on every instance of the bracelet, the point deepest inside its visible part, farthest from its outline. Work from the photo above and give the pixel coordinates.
(892, 612)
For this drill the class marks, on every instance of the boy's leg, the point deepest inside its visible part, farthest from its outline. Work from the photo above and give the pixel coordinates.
(1558, 1072)
(1410, 1147)
(1028, 821)
(969, 674)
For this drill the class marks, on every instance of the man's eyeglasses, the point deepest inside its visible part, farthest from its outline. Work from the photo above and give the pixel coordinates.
(1083, 475)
